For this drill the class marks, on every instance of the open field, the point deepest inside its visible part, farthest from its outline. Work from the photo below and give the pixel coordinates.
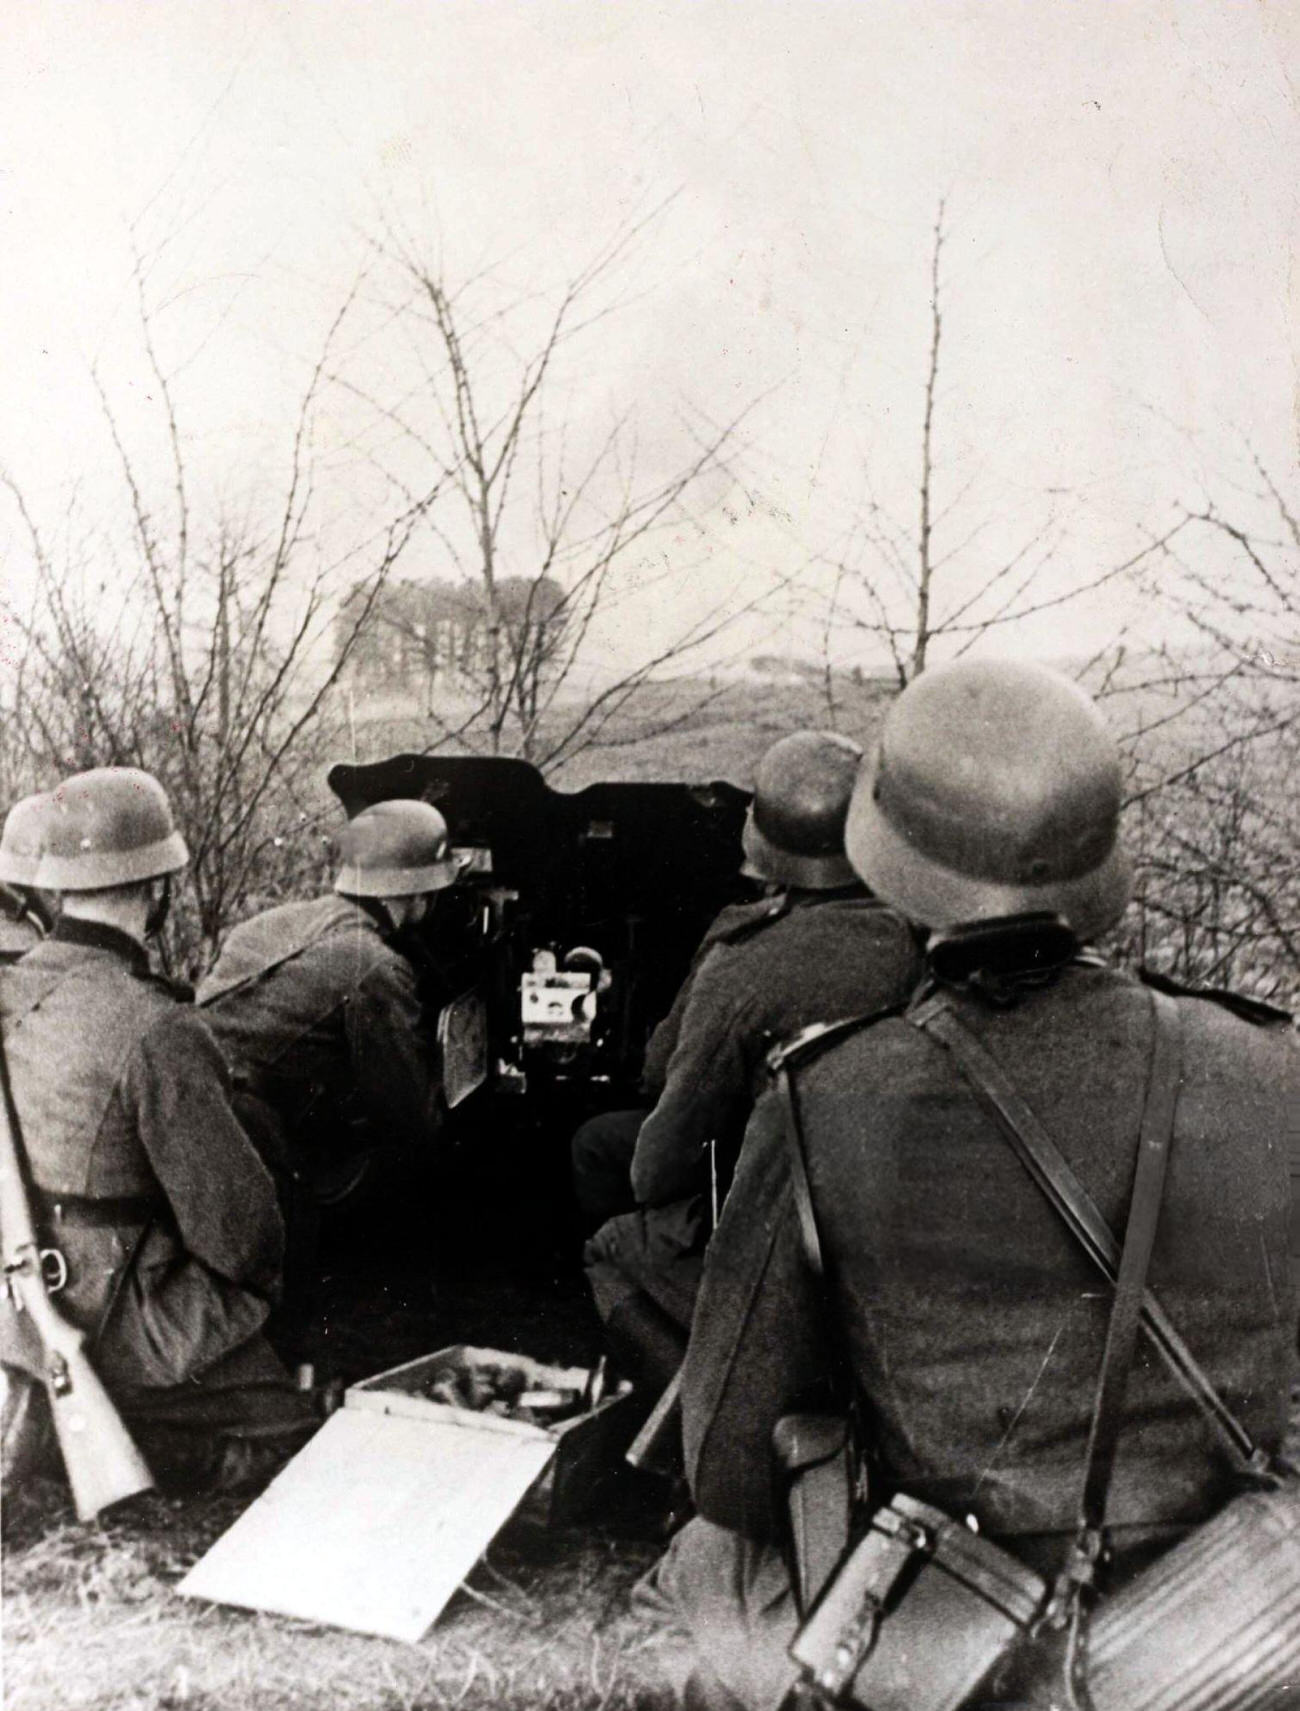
(692, 728)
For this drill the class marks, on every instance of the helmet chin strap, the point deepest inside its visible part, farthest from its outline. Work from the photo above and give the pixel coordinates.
(160, 905)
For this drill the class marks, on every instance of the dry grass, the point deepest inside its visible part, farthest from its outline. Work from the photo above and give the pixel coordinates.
(91, 1620)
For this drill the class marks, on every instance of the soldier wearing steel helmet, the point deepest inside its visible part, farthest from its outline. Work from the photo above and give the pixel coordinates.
(969, 1321)
(143, 1178)
(317, 1012)
(26, 913)
(817, 945)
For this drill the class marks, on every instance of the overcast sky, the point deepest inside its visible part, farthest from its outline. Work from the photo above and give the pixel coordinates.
(1120, 279)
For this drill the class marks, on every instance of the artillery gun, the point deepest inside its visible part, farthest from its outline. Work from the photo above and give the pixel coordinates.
(566, 941)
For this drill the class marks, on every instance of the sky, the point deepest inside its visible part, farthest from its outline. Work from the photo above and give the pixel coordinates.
(1120, 324)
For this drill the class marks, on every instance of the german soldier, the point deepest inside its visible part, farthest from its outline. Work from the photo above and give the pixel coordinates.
(143, 1178)
(603, 1146)
(818, 945)
(317, 1012)
(25, 913)
(970, 1322)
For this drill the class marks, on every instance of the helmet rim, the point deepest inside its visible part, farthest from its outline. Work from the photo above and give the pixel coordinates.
(19, 859)
(101, 870)
(354, 881)
(830, 871)
(941, 897)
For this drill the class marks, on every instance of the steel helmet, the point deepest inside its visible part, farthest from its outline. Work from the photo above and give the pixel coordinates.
(20, 842)
(994, 790)
(794, 834)
(395, 849)
(111, 826)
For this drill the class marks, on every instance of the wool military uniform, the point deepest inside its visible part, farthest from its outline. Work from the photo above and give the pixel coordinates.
(320, 1020)
(603, 1146)
(973, 1323)
(817, 955)
(146, 1183)
(318, 1015)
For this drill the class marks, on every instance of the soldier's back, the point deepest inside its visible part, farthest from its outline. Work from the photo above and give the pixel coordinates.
(978, 1322)
(823, 958)
(73, 1015)
(277, 996)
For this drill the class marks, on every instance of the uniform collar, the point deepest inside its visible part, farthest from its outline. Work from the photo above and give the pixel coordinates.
(802, 896)
(99, 936)
(372, 907)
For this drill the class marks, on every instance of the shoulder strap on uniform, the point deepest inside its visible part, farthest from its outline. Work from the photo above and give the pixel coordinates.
(1248, 1009)
(809, 1235)
(810, 1042)
(782, 1060)
(1154, 1136)
(755, 917)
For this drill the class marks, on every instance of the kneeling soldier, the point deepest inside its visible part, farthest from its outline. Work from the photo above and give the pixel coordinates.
(885, 1250)
(317, 1012)
(143, 1178)
(820, 945)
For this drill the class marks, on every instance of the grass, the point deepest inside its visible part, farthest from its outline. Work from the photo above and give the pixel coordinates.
(91, 1620)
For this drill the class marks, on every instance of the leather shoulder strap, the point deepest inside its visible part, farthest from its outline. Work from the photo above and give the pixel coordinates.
(1049, 1170)
(1237, 1004)
(809, 1236)
(1139, 1239)
(810, 1042)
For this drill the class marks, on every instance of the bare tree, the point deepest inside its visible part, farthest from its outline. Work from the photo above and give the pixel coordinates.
(545, 539)
(1207, 718)
(908, 589)
(190, 642)
(1215, 743)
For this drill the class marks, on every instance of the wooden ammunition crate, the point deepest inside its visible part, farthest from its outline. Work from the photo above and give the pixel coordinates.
(589, 1446)
(376, 1522)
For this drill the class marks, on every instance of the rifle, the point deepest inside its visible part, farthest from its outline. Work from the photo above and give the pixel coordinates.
(657, 1447)
(102, 1461)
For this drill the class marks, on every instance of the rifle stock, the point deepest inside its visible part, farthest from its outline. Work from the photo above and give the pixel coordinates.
(104, 1465)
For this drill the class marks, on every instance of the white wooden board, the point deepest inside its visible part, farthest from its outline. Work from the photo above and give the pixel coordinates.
(374, 1524)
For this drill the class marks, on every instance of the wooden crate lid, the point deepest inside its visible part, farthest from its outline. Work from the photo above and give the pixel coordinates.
(375, 1523)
